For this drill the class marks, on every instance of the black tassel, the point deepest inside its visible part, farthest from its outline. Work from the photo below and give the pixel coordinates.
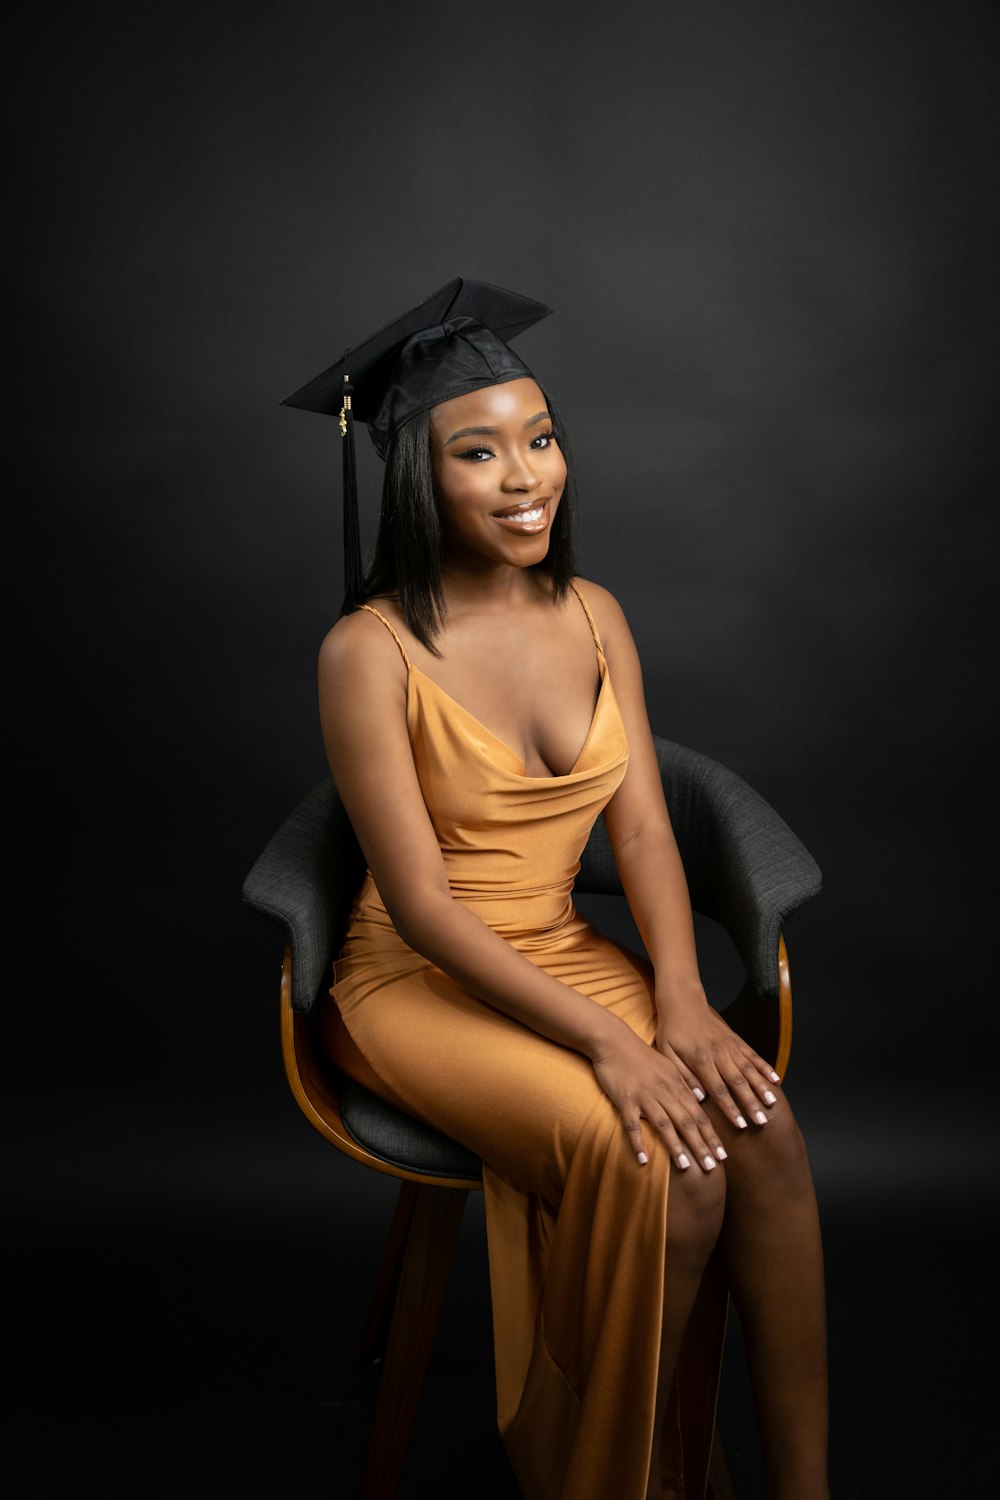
(353, 571)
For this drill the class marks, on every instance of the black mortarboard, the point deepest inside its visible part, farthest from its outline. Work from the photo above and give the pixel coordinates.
(453, 343)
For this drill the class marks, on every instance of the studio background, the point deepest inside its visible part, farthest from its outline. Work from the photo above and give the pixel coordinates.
(769, 235)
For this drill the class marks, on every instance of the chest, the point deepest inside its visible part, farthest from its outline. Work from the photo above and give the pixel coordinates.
(537, 698)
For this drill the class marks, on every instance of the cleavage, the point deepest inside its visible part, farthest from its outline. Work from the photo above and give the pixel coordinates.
(549, 731)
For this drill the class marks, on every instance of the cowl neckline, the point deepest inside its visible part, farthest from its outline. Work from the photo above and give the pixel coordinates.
(605, 695)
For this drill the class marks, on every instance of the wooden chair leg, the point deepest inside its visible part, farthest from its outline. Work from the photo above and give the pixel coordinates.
(376, 1333)
(423, 1276)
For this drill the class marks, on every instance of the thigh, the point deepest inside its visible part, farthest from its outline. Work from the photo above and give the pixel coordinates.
(518, 1100)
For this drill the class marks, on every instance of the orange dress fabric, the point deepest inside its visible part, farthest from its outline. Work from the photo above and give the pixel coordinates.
(576, 1229)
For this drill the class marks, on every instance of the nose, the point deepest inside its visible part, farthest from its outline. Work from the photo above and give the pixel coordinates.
(520, 476)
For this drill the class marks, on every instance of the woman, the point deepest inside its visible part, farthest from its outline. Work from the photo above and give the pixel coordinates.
(480, 706)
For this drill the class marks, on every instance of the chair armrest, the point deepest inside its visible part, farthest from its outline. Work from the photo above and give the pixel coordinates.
(745, 867)
(304, 881)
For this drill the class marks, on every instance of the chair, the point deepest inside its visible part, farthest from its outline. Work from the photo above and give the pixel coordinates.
(746, 870)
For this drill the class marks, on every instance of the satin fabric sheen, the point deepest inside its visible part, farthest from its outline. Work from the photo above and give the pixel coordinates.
(576, 1229)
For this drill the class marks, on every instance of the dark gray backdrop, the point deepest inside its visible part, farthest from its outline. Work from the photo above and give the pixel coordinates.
(769, 234)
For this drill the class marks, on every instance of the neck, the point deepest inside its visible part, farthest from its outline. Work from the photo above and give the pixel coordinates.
(496, 586)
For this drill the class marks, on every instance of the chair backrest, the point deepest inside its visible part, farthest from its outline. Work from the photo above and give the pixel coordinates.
(745, 868)
(305, 880)
(321, 870)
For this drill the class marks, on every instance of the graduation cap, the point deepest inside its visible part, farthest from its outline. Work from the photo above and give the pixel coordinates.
(454, 342)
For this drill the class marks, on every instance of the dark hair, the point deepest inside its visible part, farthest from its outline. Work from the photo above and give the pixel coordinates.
(406, 558)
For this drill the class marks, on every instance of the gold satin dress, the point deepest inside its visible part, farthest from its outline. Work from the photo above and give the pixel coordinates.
(576, 1228)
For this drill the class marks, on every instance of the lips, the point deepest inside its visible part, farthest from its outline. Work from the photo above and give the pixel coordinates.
(526, 516)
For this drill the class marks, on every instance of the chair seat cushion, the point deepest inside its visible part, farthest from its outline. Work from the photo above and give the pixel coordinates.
(401, 1140)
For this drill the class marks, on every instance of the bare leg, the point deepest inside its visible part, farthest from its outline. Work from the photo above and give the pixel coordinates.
(773, 1253)
(694, 1218)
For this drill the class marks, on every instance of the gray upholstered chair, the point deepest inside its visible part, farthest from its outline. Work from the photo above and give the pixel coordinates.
(746, 870)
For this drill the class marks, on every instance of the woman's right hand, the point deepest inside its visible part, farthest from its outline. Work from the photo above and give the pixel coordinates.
(645, 1085)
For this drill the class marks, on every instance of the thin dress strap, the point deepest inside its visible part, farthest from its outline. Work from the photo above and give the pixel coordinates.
(586, 610)
(402, 649)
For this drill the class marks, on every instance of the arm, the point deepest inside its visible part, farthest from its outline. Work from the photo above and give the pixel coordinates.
(713, 1058)
(362, 696)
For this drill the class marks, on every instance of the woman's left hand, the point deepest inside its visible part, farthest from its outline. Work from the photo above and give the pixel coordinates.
(717, 1063)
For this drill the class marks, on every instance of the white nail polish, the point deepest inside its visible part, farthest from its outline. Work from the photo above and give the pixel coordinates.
(682, 1161)
(720, 1152)
(642, 1158)
(775, 1078)
(699, 1094)
(760, 1117)
(741, 1122)
(769, 1097)
(709, 1163)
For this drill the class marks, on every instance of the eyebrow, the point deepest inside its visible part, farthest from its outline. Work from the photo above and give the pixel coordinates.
(541, 416)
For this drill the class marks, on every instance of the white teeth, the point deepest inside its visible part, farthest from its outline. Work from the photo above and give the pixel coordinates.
(526, 515)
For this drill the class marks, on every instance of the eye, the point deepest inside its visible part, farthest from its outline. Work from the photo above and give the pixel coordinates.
(543, 440)
(477, 455)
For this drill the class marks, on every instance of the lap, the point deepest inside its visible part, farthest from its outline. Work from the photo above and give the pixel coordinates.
(517, 1099)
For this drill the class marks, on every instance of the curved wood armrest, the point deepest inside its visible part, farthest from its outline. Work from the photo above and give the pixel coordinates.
(313, 1082)
(765, 1023)
(783, 1053)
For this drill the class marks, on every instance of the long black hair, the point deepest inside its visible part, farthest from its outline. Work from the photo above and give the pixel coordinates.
(406, 557)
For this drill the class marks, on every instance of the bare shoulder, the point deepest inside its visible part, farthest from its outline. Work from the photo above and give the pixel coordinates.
(608, 614)
(359, 650)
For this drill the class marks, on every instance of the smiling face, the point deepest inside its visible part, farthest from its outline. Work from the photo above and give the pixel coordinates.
(500, 474)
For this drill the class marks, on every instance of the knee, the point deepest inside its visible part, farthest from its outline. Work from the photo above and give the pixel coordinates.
(695, 1209)
(776, 1153)
(782, 1139)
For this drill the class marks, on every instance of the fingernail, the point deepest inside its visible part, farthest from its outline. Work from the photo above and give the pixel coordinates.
(775, 1078)
(741, 1122)
(769, 1097)
(709, 1163)
(699, 1094)
(642, 1158)
(760, 1117)
(720, 1152)
(682, 1161)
